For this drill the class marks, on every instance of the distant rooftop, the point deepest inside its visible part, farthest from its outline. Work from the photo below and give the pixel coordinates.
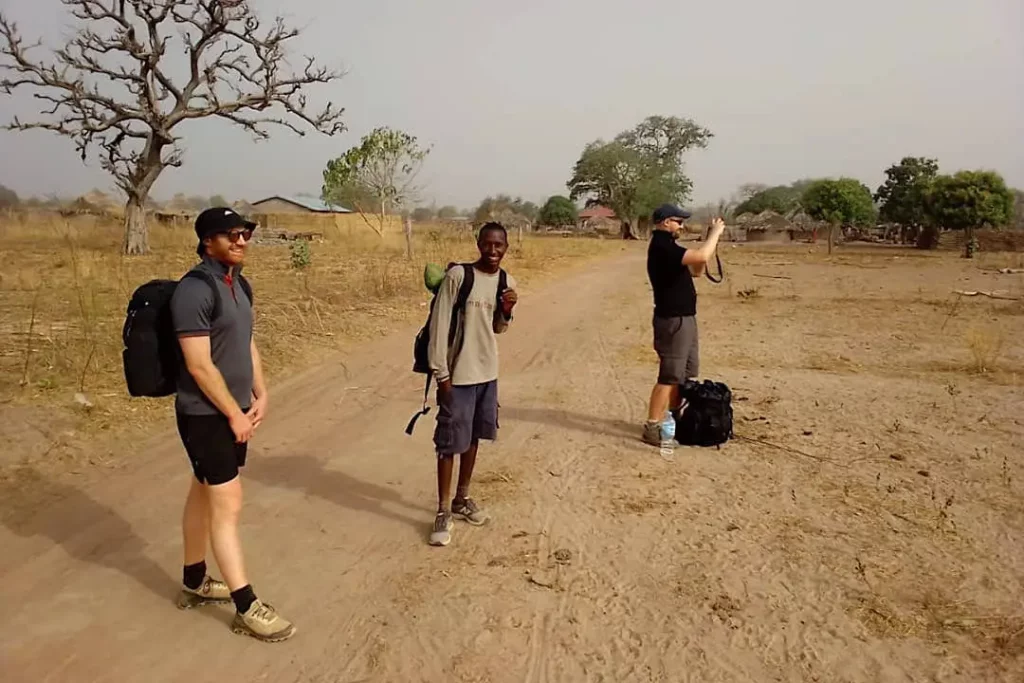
(596, 211)
(310, 203)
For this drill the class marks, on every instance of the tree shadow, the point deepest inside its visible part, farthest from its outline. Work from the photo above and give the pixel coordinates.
(309, 475)
(588, 424)
(84, 528)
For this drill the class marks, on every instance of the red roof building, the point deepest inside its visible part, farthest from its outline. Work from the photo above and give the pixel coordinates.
(596, 212)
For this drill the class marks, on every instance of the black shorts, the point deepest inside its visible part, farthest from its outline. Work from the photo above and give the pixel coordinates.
(675, 340)
(471, 414)
(211, 448)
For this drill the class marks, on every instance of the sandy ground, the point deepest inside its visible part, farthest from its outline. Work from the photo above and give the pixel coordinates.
(867, 526)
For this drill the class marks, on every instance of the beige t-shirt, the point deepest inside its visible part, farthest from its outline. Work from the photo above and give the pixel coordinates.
(475, 337)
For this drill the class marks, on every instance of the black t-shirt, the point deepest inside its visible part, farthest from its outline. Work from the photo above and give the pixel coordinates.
(674, 293)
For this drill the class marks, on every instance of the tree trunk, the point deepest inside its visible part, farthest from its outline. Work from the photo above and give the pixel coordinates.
(643, 227)
(927, 237)
(383, 216)
(136, 237)
(137, 186)
(969, 242)
(408, 237)
(831, 238)
(629, 230)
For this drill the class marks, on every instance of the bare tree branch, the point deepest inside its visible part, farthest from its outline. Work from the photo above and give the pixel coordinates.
(109, 89)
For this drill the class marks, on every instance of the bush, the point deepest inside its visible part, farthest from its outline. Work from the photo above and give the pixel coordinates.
(302, 257)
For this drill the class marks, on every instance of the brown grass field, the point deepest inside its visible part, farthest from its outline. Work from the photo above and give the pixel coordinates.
(64, 289)
(867, 523)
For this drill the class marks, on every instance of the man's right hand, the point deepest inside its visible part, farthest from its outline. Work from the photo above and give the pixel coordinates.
(242, 427)
(718, 226)
(444, 391)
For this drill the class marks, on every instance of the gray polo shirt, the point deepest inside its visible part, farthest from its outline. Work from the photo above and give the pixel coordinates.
(230, 336)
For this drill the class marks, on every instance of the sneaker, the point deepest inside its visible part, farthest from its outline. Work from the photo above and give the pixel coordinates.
(652, 434)
(262, 622)
(469, 511)
(211, 591)
(442, 532)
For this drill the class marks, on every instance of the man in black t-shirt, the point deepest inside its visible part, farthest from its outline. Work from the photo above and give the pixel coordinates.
(671, 269)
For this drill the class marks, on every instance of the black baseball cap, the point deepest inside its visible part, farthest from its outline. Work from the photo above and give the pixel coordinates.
(217, 221)
(667, 211)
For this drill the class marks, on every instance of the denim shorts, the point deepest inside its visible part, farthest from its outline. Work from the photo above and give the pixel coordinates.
(470, 414)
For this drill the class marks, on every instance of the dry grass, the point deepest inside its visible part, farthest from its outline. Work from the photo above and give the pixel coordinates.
(65, 288)
(984, 343)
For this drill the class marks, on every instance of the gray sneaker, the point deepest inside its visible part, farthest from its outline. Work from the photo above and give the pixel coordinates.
(652, 434)
(442, 532)
(262, 622)
(211, 591)
(468, 510)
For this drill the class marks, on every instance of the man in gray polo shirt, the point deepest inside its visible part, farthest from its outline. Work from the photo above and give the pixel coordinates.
(221, 400)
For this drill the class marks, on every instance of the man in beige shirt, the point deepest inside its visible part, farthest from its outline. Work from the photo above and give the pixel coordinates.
(467, 374)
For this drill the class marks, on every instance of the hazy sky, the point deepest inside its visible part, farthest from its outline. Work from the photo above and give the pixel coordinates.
(508, 93)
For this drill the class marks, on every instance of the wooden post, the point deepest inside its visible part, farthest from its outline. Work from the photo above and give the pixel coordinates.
(408, 237)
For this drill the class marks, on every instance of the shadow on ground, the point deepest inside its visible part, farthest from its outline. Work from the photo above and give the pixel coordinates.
(311, 476)
(84, 528)
(588, 424)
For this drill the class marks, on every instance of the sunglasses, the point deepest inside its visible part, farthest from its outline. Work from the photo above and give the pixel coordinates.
(233, 235)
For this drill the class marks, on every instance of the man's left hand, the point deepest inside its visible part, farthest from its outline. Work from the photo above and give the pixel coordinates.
(259, 411)
(508, 302)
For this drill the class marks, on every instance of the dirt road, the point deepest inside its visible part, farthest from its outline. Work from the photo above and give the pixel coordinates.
(606, 560)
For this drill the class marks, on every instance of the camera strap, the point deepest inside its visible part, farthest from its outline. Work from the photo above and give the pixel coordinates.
(721, 275)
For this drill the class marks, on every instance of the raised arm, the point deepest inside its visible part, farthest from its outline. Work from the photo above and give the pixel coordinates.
(697, 259)
(503, 314)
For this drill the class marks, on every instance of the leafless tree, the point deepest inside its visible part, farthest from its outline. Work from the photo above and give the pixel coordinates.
(114, 88)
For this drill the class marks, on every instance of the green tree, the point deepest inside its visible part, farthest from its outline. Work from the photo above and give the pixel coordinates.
(748, 190)
(902, 197)
(969, 200)
(845, 201)
(639, 169)
(781, 199)
(447, 213)
(376, 177)
(218, 200)
(423, 214)
(122, 85)
(559, 211)
(1018, 210)
(493, 207)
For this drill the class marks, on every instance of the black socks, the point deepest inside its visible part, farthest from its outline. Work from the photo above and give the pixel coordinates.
(194, 574)
(243, 597)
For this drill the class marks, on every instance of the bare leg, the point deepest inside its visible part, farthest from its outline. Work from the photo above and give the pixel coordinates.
(675, 398)
(195, 524)
(661, 396)
(225, 508)
(466, 464)
(445, 465)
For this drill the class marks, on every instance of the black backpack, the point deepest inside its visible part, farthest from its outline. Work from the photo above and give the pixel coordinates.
(152, 356)
(421, 364)
(707, 420)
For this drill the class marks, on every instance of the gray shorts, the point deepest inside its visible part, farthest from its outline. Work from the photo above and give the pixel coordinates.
(471, 414)
(675, 340)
